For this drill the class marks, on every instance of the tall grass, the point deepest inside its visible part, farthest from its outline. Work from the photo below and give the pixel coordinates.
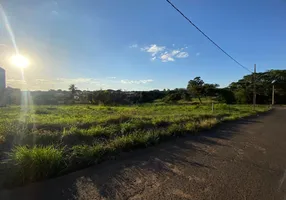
(37, 163)
(85, 154)
(64, 138)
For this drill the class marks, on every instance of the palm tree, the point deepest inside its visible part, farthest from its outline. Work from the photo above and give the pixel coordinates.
(72, 88)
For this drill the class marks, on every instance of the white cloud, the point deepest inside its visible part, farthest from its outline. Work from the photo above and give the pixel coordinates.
(15, 81)
(168, 55)
(153, 49)
(133, 46)
(182, 55)
(175, 52)
(111, 77)
(172, 54)
(77, 80)
(126, 81)
(81, 83)
(198, 54)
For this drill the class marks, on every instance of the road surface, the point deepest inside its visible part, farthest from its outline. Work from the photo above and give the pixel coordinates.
(238, 160)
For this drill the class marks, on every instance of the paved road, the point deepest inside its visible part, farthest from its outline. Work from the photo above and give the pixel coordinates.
(241, 160)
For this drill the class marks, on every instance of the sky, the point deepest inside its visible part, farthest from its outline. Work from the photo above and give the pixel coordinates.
(139, 44)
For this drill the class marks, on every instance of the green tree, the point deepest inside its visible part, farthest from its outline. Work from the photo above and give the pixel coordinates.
(243, 89)
(210, 89)
(72, 89)
(224, 95)
(173, 97)
(196, 87)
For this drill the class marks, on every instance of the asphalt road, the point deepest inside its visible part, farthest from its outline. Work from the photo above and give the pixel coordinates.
(238, 160)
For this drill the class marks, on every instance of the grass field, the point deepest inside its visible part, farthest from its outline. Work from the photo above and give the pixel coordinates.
(46, 141)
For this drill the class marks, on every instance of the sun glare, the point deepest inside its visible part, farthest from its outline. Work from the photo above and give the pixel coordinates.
(20, 61)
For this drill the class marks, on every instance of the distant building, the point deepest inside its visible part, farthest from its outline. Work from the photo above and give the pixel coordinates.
(12, 96)
(2, 86)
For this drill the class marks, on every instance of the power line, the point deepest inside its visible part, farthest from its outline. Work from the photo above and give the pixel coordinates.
(207, 36)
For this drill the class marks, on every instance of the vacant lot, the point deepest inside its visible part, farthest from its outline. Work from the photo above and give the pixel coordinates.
(46, 141)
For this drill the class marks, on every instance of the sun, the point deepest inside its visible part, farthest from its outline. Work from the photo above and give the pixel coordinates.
(20, 61)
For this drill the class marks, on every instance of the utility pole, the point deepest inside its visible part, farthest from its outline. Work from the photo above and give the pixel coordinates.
(273, 94)
(254, 87)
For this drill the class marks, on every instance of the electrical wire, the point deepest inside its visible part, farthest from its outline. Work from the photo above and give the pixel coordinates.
(208, 37)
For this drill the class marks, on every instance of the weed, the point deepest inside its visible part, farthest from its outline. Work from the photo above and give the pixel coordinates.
(160, 122)
(87, 154)
(208, 123)
(89, 133)
(176, 129)
(37, 163)
(42, 112)
(191, 126)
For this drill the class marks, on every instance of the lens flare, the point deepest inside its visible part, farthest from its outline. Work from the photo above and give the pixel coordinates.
(20, 61)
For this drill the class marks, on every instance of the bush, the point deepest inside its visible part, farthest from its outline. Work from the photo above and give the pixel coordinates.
(176, 129)
(191, 126)
(208, 123)
(135, 124)
(88, 154)
(172, 97)
(241, 96)
(226, 96)
(37, 163)
(134, 140)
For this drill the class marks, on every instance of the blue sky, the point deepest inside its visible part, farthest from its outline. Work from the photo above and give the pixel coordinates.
(140, 44)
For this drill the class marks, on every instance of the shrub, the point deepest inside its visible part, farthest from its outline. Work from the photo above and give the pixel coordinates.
(226, 96)
(170, 98)
(122, 143)
(94, 131)
(134, 140)
(88, 154)
(176, 129)
(160, 122)
(208, 123)
(191, 126)
(135, 124)
(37, 163)
(128, 127)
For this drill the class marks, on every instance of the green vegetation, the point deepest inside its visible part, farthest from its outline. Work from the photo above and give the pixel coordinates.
(240, 92)
(35, 163)
(265, 81)
(39, 142)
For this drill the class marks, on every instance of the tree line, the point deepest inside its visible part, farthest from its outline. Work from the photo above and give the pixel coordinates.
(240, 92)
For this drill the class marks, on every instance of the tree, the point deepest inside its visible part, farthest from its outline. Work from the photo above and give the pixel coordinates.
(173, 97)
(243, 89)
(224, 95)
(210, 89)
(72, 89)
(196, 87)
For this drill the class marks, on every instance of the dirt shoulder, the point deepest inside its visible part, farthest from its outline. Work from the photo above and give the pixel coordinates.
(238, 160)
